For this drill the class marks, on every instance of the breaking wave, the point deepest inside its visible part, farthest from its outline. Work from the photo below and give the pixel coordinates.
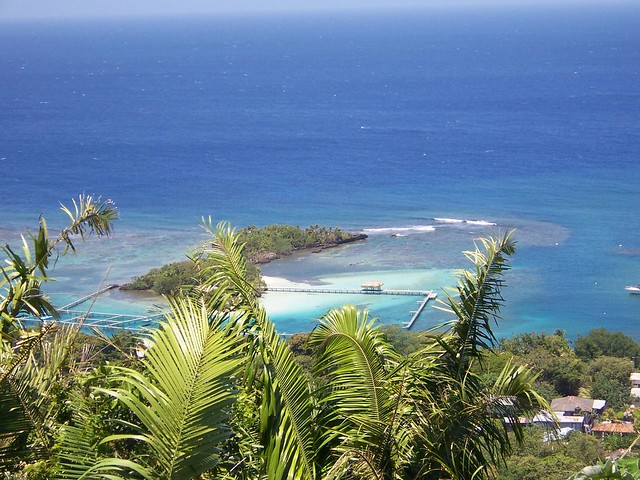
(399, 230)
(483, 223)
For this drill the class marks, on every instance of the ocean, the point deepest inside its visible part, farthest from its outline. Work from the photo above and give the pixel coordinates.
(426, 129)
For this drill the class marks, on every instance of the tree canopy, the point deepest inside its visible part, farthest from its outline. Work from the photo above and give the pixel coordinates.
(600, 341)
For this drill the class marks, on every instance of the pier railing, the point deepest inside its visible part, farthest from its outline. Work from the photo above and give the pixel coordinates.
(418, 293)
(432, 296)
(86, 298)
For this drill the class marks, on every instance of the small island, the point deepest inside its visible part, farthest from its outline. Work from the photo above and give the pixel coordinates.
(261, 245)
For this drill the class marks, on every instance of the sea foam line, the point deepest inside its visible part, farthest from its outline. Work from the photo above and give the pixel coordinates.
(483, 223)
(414, 228)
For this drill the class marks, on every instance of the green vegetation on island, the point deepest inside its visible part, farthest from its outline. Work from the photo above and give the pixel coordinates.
(214, 392)
(268, 243)
(261, 245)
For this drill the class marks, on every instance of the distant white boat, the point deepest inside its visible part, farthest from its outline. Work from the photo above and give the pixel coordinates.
(633, 289)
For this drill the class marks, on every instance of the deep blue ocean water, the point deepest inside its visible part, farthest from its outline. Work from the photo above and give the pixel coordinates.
(524, 118)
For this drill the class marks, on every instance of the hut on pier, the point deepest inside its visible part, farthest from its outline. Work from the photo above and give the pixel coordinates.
(372, 286)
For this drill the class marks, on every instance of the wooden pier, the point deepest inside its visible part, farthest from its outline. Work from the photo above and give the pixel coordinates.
(432, 296)
(97, 293)
(112, 321)
(361, 291)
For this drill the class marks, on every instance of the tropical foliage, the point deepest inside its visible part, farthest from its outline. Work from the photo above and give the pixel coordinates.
(272, 241)
(599, 342)
(22, 275)
(609, 470)
(217, 393)
(34, 363)
(541, 459)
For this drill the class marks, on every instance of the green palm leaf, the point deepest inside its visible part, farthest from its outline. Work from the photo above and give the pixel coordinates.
(22, 276)
(513, 396)
(28, 381)
(79, 458)
(479, 299)
(226, 276)
(286, 411)
(362, 397)
(353, 353)
(15, 426)
(464, 427)
(184, 397)
(284, 403)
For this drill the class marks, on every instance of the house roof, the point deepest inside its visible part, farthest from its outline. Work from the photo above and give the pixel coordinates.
(544, 417)
(634, 376)
(608, 427)
(573, 404)
(547, 417)
(569, 418)
(599, 404)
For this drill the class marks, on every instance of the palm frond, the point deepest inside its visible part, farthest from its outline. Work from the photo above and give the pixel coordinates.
(79, 458)
(183, 400)
(227, 274)
(273, 377)
(22, 276)
(20, 289)
(513, 397)
(464, 425)
(362, 403)
(90, 215)
(28, 383)
(479, 298)
(352, 352)
(286, 411)
(15, 427)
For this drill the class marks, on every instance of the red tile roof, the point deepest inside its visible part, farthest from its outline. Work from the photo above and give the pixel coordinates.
(613, 428)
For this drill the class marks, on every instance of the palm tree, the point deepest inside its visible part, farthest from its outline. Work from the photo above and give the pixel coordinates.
(192, 385)
(22, 277)
(376, 414)
(32, 362)
(428, 415)
(277, 394)
(464, 432)
(361, 397)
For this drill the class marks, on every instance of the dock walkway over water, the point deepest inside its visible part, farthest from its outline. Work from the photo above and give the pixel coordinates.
(97, 320)
(360, 291)
(100, 321)
(86, 298)
(432, 296)
(109, 321)
(370, 288)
